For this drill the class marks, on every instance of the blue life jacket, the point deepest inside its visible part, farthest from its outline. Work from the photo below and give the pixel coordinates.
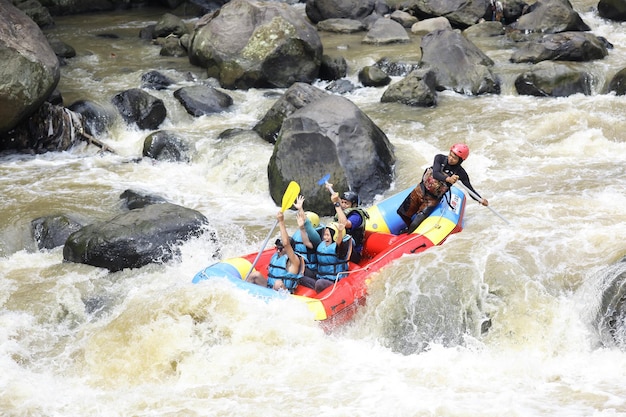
(277, 269)
(301, 249)
(328, 263)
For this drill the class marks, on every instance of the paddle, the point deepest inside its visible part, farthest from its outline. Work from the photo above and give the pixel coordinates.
(473, 194)
(290, 195)
(324, 181)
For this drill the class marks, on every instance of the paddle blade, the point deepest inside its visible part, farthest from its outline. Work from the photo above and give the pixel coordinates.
(291, 193)
(324, 179)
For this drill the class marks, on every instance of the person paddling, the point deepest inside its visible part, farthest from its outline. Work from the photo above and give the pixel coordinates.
(286, 267)
(436, 181)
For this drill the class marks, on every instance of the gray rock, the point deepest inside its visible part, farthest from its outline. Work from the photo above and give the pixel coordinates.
(386, 31)
(296, 97)
(550, 16)
(318, 10)
(550, 79)
(138, 107)
(459, 64)
(23, 50)
(564, 46)
(331, 136)
(257, 45)
(52, 231)
(200, 100)
(136, 238)
(416, 89)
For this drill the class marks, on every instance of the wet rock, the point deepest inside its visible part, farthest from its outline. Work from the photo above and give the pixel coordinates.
(372, 76)
(164, 145)
(134, 199)
(396, 68)
(618, 83)
(460, 13)
(200, 100)
(333, 68)
(52, 231)
(550, 16)
(169, 24)
(140, 108)
(341, 26)
(416, 89)
(564, 46)
(429, 25)
(155, 80)
(34, 10)
(318, 10)
(257, 45)
(134, 239)
(342, 86)
(552, 79)
(331, 135)
(405, 19)
(96, 118)
(386, 31)
(612, 9)
(24, 50)
(171, 46)
(295, 97)
(459, 64)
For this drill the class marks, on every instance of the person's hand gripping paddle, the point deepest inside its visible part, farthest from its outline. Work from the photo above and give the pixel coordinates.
(289, 197)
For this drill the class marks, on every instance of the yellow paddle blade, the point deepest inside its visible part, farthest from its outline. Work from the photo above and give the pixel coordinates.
(291, 193)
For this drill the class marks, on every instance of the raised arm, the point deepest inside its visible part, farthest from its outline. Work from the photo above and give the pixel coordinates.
(294, 259)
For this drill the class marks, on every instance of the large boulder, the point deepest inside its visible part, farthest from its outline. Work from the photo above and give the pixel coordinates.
(136, 238)
(52, 231)
(416, 89)
(331, 136)
(564, 46)
(550, 16)
(140, 108)
(460, 13)
(551, 79)
(612, 9)
(458, 64)
(618, 83)
(200, 100)
(318, 10)
(30, 69)
(254, 44)
(294, 98)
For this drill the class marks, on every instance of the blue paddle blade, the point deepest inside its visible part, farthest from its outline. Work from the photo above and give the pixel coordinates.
(324, 179)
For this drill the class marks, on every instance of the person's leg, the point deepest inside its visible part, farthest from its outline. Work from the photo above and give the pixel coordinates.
(322, 284)
(425, 209)
(257, 278)
(410, 205)
(307, 281)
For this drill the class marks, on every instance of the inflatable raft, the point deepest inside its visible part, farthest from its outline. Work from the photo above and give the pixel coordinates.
(383, 244)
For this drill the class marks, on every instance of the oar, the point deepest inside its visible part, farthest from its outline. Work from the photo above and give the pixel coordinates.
(476, 196)
(324, 181)
(289, 197)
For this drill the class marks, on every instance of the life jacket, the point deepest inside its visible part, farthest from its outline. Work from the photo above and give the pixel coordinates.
(432, 185)
(277, 269)
(358, 234)
(307, 253)
(328, 263)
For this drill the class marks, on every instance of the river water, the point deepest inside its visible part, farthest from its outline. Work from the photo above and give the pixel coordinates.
(76, 340)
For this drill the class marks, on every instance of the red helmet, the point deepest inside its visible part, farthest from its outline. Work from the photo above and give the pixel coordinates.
(461, 150)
